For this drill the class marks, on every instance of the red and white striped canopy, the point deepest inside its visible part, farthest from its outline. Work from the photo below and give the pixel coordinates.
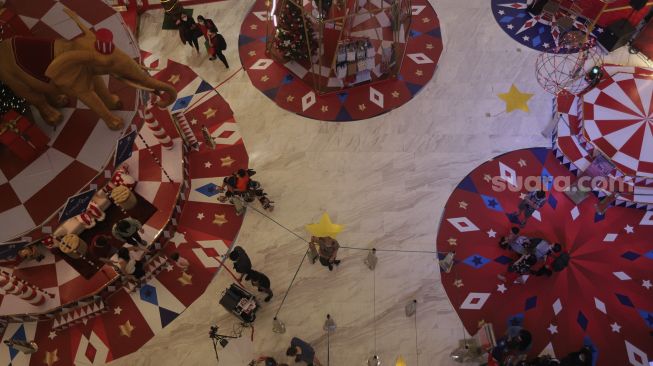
(618, 119)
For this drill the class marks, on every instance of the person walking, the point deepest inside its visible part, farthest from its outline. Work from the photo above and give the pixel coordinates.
(189, 31)
(217, 44)
(262, 283)
(127, 230)
(532, 202)
(242, 264)
(302, 352)
(327, 250)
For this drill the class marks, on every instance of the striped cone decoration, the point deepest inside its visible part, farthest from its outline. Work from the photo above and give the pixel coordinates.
(14, 287)
(185, 128)
(156, 128)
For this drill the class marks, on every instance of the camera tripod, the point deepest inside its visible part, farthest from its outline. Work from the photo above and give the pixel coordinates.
(222, 339)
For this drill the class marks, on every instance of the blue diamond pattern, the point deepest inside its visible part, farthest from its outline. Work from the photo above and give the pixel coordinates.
(148, 294)
(209, 190)
(649, 255)
(625, 300)
(492, 203)
(516, 320)
(19, 335)
(475, 260)
(537, 41)
(552, 201)
(204, 87)
(546, 177)
(503, 259)
(598, 217)
(167, 316)
(582, 320)
(506, 19)
(531, 302)
(631, 255)
(182, 103)
(288, 79)
(648, 317)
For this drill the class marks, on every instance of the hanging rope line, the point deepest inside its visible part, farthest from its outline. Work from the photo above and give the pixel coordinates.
(291, 283)
(416, 344)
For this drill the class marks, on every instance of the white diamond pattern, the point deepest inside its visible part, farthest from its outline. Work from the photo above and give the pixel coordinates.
(463, 224)
(600, 305)
(557, 307)
(647, 219)
(419, 58)
(575, 213)
(622, 276)
(610, 237)
(508, 174)
(636, 356)
(262, 64)
(376, 97)
(475, 300)
(308, 101)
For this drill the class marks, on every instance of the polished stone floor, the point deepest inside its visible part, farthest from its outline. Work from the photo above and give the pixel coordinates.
(386, 179)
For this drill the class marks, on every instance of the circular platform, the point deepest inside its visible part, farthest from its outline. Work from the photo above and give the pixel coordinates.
(202, 232)
(602, 299)
(291, 90)
(540, 32)
(81, 147)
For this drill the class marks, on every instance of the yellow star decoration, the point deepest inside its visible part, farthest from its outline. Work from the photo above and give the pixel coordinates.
(51, 357)
(481, 323)
(429, 46)
(253, 27)
(395, 94)
(487, 178)
(515, 99)
(185, 279)
(126, 329)
(522, 163)
(220, 219)
(458, 283)
(419, 72)
(209, 113)
(325, 108)
(426, 20)
(174, 79)
(264, 78)
(290, 98)
(325, 227)
(453, 242)
(362, 107)
(462, 204)
(227, 161)
(251, 53)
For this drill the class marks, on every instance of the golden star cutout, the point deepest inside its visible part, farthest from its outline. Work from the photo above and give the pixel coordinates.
(462, 204)
(251, 53)
(395, 94)
(487, 178)
(264, 78)
(325, 108)
(429, 46)
(426, 20)
(51, 357)
(325, 227)
(290, 98)
(362, 107)
(453, 242)
(185, 279)
(209, 113)
(253, 27)
(174, 79)
(227, 161)
(515, 99)
(458, 283)
(220, 219)
(481, 323)
(126, 329)
(419, 72)
(522, 163)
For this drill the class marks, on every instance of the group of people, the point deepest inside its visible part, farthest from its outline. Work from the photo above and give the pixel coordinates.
(243, 266)
(190, 31)
(240, 189)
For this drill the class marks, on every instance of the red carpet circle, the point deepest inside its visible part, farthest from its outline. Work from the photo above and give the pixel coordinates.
(365, 101)
(604, 297)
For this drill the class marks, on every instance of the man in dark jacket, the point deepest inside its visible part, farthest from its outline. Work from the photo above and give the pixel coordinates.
(217, 44)
(242, 264)
(262, 283)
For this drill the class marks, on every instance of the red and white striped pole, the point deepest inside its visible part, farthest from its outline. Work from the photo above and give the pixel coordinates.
(156, 128)
(12, 286)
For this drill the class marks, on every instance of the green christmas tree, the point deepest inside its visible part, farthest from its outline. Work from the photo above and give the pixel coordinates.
(290, 37)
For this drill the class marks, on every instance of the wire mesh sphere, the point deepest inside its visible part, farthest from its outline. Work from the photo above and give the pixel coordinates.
(560, 70)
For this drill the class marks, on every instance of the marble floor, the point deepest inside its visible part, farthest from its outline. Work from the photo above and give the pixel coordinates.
(386, 179)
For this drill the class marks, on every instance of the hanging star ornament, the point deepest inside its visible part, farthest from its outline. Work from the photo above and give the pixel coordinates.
(325, 227)
(51, 357)
(515, 99)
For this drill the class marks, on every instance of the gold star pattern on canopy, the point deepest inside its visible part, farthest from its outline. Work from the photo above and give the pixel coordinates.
(185, 279)
(51, 357)
(227, 161)
(515, 99)
(220, 219)
(325, 227)
(126, 329)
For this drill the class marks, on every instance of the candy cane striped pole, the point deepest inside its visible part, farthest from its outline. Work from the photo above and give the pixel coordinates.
(156, 128)
(13, 286)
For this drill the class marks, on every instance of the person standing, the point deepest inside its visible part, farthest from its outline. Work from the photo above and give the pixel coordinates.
(189, 31)
(262, 283)
(327, 250)
(242, 264)
(206, 25)
(217, 44)
(532, 202)
(302, 352)
(127, 230)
